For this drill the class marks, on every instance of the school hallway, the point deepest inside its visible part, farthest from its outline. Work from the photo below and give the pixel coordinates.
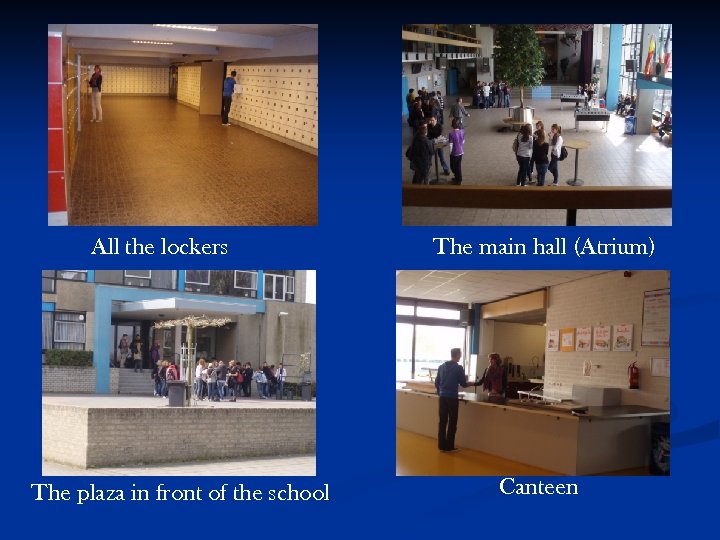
(154, 161)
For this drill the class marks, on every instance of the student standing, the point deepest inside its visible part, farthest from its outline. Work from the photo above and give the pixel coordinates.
(457, 140)
(556, 142)
(95, 83)
(540, 156)
(228, 89)
(523, 153)
(450, 376)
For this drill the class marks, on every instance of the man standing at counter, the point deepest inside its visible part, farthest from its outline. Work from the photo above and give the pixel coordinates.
(450, 376)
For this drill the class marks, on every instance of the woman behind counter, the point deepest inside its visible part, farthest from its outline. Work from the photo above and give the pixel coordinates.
(492, 379)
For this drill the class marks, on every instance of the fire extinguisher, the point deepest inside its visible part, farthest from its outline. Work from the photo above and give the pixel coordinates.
(634, 376)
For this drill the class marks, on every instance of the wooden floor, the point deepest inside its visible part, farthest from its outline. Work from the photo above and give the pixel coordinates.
(417, 455)
(153, 161)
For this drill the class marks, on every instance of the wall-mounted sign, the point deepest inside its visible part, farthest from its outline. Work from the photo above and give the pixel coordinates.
(583, 338)
(656, 319)
(601, 338)
(567, 339)
(622, 337)
(552, 341)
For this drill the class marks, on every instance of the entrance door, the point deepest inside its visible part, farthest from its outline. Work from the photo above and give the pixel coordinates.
(117, 329)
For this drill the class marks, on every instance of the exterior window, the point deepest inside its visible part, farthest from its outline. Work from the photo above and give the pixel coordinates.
(47, 330)
(246, 283)
(279, 287)
(68, 330)
(51, 276)
(197, 277)
(157, 279)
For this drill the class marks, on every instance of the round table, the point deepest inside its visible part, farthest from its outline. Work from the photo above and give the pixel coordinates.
(577, 145)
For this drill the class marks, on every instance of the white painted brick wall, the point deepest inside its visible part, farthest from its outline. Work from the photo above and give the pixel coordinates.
(68, 379)
(608, 299)
(64, 434)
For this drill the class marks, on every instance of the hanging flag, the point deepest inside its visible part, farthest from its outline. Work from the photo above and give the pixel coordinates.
(666, 59)
(649, 64)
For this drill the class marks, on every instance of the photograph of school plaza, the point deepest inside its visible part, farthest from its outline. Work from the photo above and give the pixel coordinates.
(140, 365)
(544, 124)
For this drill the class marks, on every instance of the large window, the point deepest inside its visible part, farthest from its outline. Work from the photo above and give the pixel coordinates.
(425, 332)
(156, 279)
(280, 285)
(242, 283)
(63, 330)
(49, 277)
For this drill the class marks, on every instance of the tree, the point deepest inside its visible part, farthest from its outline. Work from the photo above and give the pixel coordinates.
(519, 58)
(192, 322)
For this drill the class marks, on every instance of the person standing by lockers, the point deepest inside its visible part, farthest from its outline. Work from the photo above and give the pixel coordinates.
(228, 89)
(95, 83)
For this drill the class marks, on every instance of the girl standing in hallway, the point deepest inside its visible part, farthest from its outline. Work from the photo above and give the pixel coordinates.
(556, 142)
(95, 83)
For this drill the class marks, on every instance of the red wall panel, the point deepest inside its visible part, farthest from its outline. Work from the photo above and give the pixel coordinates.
(56, 192)
(55, 106)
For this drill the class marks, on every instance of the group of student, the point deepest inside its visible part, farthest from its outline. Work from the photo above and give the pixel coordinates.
(626, 105)
(215, 380)
(485, 95)
(539, 150)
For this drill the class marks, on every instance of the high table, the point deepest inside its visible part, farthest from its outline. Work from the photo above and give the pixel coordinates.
(437, 146)
(577, 145)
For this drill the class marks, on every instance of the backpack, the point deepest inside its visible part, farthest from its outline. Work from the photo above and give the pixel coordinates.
(563, 153)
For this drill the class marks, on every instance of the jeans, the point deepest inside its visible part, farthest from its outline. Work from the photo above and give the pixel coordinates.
(221, 389)
(441, 157)
(158, 386)
(226, 102)
(553, 168)
(261, 389)
(456, 168)
(448, 423)
(163, 387)
(421, 177)
(541, 171)
(522, 174)
(97, 105)
(280, 387)
(507, 100)
(212, 388)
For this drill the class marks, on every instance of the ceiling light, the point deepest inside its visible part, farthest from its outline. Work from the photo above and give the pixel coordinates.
(189, 27)
(140, 42)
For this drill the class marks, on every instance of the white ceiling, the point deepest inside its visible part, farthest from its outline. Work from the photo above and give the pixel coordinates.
(111, 43)
(479, 286)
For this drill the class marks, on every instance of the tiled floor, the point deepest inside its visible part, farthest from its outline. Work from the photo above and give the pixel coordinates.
(154, 162)
(614, 159)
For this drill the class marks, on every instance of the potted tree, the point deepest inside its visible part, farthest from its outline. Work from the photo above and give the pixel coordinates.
(519, 61)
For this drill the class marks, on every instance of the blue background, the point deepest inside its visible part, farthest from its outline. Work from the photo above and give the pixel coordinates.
(356, 249)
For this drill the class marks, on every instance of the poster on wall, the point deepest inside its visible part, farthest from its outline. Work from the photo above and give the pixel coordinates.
(656, 319)
(601, 338)
(552, 342)
(567, 339)
(622, 337)
(660, 367)
(583, 338)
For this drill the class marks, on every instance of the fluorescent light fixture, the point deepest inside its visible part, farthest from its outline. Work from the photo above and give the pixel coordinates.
(205, 28)
(140, 42)
(283, 313)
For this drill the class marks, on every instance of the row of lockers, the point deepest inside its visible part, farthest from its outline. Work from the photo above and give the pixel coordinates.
(268, 83)
(305, 71)
(293, 96)
(298, 135)
(310, 113)
(277, 103)
(290, 120)
(133, 80)
(189, 85)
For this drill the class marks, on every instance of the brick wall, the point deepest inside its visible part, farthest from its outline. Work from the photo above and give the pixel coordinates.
(68, 379)
(136, 436)
(64, 434)
(607, 299)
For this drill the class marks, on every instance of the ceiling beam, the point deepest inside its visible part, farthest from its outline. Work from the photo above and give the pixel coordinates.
(108, 46)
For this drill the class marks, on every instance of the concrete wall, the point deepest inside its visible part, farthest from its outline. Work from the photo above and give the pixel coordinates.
(110, 437)
(298, 329)
(428, 70)
(524, 342)
(68, 379)
(607, 299)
